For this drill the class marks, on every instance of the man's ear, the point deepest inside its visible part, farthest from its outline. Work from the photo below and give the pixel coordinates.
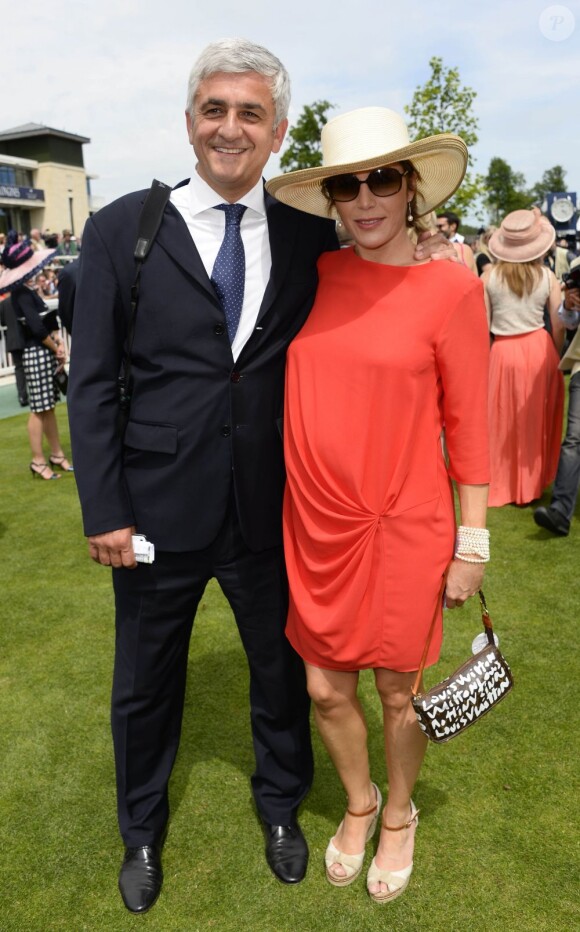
(189, 124)
(279, 133)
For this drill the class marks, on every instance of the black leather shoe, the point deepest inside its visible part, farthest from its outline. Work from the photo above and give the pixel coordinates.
(552, 520)
(286, 851)
(141, 877)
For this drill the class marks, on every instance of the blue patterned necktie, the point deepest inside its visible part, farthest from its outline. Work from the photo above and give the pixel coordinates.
(229, 272)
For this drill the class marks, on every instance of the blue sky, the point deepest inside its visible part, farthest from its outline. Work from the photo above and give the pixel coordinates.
(116, 71)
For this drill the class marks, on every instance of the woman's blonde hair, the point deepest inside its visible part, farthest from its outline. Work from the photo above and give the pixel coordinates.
(520, 277)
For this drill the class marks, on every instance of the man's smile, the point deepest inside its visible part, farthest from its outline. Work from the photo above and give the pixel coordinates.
(229, 150)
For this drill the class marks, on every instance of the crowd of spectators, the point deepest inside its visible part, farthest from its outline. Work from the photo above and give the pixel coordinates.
(473, 251)
(68, 246)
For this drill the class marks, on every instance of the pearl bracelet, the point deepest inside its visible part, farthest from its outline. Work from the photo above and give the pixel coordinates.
(472, 540)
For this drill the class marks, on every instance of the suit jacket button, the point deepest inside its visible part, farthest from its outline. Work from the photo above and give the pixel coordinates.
(226, 430)
(219, 329)
(235, 376)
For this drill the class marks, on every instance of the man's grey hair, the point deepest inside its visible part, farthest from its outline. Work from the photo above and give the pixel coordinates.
(235, 56)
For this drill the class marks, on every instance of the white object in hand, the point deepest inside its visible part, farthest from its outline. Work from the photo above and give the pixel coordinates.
(144, 549)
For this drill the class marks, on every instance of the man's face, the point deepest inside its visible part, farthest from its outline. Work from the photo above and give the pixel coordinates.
(233, 131)
(444, 226)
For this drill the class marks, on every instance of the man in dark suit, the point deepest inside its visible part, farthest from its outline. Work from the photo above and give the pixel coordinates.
(199, 469)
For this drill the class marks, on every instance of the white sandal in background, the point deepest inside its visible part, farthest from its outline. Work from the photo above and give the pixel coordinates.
(351, 863)
(396, 881)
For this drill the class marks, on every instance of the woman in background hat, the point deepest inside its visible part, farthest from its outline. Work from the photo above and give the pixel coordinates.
(526, 388)
(392, 351)
(44, 351)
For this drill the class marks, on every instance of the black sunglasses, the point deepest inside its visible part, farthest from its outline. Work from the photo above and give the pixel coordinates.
(382, 182)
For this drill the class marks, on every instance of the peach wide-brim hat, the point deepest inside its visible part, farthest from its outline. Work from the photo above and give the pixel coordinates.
(368, 138)
(524, 235)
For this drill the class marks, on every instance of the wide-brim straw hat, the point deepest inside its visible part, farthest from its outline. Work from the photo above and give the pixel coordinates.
(368, 138)
(28, 266)
(524, 235)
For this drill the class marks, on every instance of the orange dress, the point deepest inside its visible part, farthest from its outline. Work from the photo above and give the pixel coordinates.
(526, 395)
(387, 356)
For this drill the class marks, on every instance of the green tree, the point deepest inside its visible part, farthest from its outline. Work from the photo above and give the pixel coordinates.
(504, 190)
(442, 105)
(553, 180)
(304, 150)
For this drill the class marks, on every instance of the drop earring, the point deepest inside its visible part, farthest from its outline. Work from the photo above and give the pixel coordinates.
(410, 217)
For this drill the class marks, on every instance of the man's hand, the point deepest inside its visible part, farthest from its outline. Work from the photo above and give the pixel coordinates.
(114, 548)
(572, 299)
(463, 581)
(434, 246)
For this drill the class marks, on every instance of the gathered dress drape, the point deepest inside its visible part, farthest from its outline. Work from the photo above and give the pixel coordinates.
(389, 357)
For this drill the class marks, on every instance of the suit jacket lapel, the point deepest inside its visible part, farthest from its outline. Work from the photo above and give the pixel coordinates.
(282, 225)
(176, 240)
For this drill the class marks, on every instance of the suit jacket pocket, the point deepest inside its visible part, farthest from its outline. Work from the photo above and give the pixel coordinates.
(155, 438)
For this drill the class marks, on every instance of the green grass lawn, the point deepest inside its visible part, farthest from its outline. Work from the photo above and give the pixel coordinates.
(498, 843)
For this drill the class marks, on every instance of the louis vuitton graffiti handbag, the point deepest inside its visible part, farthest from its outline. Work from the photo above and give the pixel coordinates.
(459, 701)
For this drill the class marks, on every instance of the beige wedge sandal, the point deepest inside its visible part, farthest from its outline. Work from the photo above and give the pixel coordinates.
(351, 863)
(396, 881)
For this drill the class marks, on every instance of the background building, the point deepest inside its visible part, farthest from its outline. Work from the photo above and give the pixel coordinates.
(43, 182)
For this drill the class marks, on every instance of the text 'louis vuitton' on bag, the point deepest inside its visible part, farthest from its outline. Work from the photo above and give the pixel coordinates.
(459, 701)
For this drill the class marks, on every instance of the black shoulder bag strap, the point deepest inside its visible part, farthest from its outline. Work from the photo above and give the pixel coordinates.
(149, 223)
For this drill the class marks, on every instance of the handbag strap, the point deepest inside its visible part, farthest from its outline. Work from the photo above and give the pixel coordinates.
(148, 226)
(149, 223)
(485, 619)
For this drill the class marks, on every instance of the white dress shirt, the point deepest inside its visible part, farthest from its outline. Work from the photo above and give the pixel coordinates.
(196, 202)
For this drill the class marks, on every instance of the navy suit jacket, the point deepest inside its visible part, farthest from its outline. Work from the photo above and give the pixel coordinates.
(197, 421)
(67, 283)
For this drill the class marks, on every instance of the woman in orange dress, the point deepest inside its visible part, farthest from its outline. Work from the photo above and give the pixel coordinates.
(526, 388)
(393, 351)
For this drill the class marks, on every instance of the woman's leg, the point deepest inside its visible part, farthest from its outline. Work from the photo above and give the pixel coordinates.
(44, 423)
(405, 747)
(35, 431)
(342, 726)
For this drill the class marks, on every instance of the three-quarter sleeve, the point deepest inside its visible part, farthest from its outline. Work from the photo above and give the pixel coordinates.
(463, 360)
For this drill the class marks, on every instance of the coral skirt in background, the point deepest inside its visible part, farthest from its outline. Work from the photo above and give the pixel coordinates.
(526, 404)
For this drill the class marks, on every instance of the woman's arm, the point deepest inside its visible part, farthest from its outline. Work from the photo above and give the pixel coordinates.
(554, 302)
(465, 578)
(55, 344)
(466, 256)
(28, 305)
(485, 276)
(463, 362)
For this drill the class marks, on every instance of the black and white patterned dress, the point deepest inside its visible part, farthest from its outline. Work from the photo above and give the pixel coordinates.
(38, 361)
